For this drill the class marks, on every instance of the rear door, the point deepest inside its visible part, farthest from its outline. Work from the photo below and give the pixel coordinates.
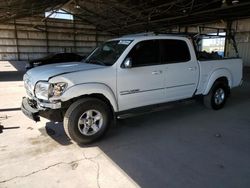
(182, 72)
(143, 84)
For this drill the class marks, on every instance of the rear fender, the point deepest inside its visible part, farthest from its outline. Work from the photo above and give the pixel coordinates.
(219, 73)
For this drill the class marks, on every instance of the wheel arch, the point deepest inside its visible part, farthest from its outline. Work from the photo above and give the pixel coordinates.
(221, 75)
(99, 96)
(93, 90)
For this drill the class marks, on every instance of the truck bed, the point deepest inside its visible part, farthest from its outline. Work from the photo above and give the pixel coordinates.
(211, 69)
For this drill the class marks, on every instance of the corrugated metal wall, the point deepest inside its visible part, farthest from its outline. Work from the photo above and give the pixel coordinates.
(21, 41)
(32, 38)
(244, 51)
(242, 37)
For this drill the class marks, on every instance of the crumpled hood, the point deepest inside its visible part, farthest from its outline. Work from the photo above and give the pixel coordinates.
(47, 71)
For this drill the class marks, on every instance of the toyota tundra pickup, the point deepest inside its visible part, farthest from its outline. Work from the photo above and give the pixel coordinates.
(122, 75)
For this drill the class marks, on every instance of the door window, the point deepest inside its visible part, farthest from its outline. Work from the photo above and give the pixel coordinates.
(145, 53)
(174, 51)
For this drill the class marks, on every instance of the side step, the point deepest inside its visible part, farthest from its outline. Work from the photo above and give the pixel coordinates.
(151, 108)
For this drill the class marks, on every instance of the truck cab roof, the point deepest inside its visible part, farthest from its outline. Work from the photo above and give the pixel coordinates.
(145, 36)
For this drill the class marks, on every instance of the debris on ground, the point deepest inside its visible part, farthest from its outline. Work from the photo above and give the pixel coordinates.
(2, 128)
(218, 135)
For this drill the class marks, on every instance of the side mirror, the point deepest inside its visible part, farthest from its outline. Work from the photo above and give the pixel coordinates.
(127, 63)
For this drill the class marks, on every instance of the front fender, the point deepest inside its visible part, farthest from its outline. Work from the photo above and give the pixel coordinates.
(90, 88)
(219, 73)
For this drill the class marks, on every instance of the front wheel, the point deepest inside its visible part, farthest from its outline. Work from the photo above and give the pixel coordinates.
(86, 120)
(217, 96)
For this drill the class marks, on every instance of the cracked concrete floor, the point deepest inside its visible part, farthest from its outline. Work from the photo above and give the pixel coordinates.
(183, 146)
(40, 155)
(31, 158)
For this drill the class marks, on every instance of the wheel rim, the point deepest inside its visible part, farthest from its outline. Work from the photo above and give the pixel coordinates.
(219, 96)
(90, 122)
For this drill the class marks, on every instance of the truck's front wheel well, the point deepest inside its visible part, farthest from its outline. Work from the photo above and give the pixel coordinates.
(94, 95)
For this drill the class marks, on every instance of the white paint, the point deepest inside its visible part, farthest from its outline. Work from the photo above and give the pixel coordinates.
(140, 86)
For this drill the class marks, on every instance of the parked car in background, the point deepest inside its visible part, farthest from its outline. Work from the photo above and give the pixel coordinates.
(54, 58)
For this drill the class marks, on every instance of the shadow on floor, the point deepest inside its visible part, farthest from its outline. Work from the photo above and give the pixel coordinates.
(13, 75)
(57, 133)
(184, 146)
(179, 147)
(19, 65)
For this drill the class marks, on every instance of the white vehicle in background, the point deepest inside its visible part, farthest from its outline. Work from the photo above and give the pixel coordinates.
(124, 75)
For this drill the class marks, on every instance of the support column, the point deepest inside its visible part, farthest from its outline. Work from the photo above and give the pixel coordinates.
(74, 32)
(46, 37)
(96, 37)
(227, 41)
(230, 36)
(16, 39)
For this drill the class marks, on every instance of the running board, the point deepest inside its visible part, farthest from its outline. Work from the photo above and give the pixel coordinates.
(151, 108)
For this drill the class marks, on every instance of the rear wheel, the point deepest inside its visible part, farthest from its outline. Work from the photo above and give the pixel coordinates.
(86, 120)
(217, 96)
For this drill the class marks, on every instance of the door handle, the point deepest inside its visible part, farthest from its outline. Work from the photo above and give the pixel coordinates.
(192, 68)
(156, 72)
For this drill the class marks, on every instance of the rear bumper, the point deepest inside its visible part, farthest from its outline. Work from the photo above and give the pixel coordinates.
(33, 113)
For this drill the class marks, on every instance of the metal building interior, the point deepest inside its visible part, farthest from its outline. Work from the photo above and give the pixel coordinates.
(120, 17)
(137, 155)
(97, 21)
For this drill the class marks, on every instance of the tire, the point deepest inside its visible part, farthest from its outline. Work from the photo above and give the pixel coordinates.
(217, 96)
(86, 120)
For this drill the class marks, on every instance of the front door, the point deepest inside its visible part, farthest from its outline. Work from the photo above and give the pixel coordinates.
(143, 83)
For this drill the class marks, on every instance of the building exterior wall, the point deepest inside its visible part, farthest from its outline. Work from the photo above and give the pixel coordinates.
(31, 38)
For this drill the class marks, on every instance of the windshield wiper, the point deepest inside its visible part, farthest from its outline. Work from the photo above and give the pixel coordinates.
(95, 61)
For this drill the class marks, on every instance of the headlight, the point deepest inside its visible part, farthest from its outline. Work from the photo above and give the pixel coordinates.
(45, 90)
(42, 90)
(58, 89)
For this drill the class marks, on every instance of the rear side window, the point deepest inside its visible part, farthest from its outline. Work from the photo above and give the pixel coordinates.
(174, 51)
(145, 53)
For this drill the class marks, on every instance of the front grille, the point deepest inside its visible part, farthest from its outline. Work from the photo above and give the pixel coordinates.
(32, 103)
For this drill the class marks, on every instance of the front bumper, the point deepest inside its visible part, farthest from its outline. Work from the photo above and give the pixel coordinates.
(29, 108)
(29, 111)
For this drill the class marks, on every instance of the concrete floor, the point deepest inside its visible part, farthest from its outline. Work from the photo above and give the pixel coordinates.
(183, 146)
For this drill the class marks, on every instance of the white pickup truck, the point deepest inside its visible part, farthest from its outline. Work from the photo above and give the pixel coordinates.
(123, 75)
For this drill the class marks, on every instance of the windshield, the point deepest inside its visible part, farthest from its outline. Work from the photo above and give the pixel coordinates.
(108, 53)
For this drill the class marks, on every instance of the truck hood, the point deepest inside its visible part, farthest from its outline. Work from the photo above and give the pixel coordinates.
(47, 71)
